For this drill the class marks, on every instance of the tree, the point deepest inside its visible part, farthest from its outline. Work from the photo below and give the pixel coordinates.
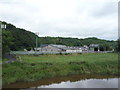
(24, 39)
(7, 41)
(105, 47)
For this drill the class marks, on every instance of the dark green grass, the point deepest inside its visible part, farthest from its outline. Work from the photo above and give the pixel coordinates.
(33, 68)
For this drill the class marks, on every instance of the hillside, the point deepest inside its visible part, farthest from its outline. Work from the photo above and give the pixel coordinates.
(21, 38)
(75, 41)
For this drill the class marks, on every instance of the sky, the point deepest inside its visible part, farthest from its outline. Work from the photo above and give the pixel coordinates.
(63, 18)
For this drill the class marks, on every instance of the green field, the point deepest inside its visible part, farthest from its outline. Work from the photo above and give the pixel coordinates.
(32, 68)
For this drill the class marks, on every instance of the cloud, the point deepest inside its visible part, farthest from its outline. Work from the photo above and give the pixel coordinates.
(108, 8)
(65, 18)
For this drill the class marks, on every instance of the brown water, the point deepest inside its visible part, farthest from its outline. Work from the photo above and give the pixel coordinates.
(74, 81)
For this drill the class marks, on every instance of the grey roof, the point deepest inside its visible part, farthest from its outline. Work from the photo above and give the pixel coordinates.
(58, 46)
(43, 45)
(71, 48)
(63, 47)
(94, 45)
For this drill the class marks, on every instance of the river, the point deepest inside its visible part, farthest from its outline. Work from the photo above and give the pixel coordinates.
(88, 83)
(73, 81)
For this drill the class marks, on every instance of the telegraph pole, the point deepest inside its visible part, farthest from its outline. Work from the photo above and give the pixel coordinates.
(37, 33)
(2, 27)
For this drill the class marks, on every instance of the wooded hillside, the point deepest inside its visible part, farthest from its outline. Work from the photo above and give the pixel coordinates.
(17, 39)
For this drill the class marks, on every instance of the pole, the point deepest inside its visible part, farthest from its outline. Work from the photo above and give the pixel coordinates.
(1, 53)
(0, 41)
(36, 43)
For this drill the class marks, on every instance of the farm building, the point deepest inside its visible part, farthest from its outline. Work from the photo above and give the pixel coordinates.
(73, 50)
(94, 47)
(59, 48)
(48, 48)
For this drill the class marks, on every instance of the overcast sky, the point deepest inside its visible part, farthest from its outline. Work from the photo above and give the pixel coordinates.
(64, 18)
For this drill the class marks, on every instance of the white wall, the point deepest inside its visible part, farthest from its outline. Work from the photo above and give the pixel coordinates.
(73, 51)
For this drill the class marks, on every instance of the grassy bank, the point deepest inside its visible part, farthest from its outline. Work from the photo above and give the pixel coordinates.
(33, 68)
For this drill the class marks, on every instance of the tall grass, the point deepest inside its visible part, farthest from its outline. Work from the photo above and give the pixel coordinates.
(33, 68)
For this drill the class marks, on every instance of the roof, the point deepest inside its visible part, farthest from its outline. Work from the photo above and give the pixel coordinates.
(63, 47)
(71, 48)
(43, 45)
(94, 45)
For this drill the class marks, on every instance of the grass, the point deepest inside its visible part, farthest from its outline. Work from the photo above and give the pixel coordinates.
(4, 60)
(33, 68)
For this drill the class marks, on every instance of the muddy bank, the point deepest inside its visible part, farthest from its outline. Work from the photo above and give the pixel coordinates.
(49, 81)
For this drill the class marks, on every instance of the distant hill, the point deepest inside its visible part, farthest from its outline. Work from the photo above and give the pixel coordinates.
(26, 39)
(104, 44)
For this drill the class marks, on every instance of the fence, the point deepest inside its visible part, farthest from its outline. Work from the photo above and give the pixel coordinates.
(35, 52)
(49, 52)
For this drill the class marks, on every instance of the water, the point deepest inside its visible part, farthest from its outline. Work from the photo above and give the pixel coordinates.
(74, 81)
(88, 83)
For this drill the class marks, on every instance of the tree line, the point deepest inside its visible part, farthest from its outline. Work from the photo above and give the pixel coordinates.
(15, 39)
